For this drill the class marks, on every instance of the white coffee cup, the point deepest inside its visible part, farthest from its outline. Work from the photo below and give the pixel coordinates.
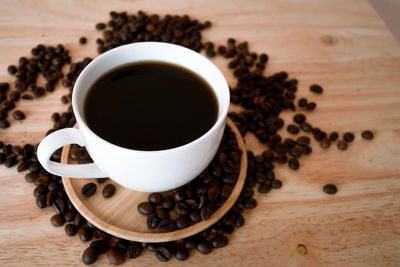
(148, 171)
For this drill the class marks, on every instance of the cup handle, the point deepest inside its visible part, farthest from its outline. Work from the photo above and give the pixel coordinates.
(58, 139)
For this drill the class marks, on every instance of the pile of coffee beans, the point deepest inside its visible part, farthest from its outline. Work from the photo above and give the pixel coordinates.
(200, 198)
(262, 97)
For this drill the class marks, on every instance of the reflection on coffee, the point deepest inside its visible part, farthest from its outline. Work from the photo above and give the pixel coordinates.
(150, 106)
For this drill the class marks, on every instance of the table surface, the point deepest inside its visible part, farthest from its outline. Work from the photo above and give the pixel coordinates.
(342, 45)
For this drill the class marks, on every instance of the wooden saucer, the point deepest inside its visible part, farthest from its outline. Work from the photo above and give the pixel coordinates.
(119, 216)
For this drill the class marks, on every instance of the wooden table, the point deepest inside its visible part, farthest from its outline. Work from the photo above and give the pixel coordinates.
(342, 45)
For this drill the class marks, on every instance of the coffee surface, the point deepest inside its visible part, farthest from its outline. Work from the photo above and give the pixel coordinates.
(150, 106)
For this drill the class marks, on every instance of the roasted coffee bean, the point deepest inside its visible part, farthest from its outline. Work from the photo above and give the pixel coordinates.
(276, 184)
(108, 190)
(88, 189)
(229, 179)
(250, 203)
(248, 192)
(30, 177)
(82, 40)
(204, 247)
(35, 167)
(333, 136)
(250, 182)
(3, 158)
(23, 166)
(239, 220)
(52, 186)
(330, 189)
(315, 88)
(11, 160)
(325, 143)
(56, 117)
(57, 220)
(14, 96)
(3, 115)
(42, 180)
(191, 202)
(41, 201)
(101, 246)
(4, 87)
(182, 253)
(166, 225)
(59, 205)
(70, 229)
(100, 26)
(293, 163)
(206, 211)
(311, 106)
(342, 145)
(134, 250)
(295, 152)
(348, 137)
(89, 255)
(85, 233)
(367, 134)
(299, 118)
(306, 127)
(219, 241)
(69, 216)
(122, 245)
(40, 190)
(79, 220)
(50, 198)
(291, 128)
(290, 143)
(182, 222)
(19, 115)
(303, 140)
(265, 187)
(163, 253)
(27, 97)
(182, 208)
(4, 124)
(115, 257)
(179, 196)
(213, 193)
(11, 69)
(146, 208)
(302, 102)
(168, 203)
(195, 216)
(156, 198)
(162, 213)
(152, 221)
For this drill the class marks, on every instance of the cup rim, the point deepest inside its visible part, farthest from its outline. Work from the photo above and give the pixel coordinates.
(220, 119)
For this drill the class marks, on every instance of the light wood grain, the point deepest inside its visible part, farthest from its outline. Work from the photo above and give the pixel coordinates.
(119, 216)
(342, 45)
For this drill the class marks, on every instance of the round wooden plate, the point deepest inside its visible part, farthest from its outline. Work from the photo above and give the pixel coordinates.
(119, 216)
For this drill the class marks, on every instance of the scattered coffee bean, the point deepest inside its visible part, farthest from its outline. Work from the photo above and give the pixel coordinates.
(168, 203)
(348, 137)
(330, 189)
(325, 143)
(303, 141)
(291, 128)
(166, 225)
(182, 221)
(41, 201)
(204, 247)
(146, 208)
(57, 220)
(115, 257)
(342, 145)
(265, 187)
(302, 102)
(4, 124)
(70, 229)
(316, 89)
(109, 190)
(276, 184)
(18, 115)
(311, 106)
(14, 96)
(293, 163)
(89, 256)
(333, 136)
(10, 161)
(182, 253)
(152, 221)
(82, 40)
(156, 198)
(4, 87)
(85, 233)
(367, 134)
(163, 253)
(88, 189)
(219, 241)
(134, 250)
(299, 118)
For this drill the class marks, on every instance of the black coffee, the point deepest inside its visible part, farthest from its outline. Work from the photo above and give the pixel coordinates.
(150, 106)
